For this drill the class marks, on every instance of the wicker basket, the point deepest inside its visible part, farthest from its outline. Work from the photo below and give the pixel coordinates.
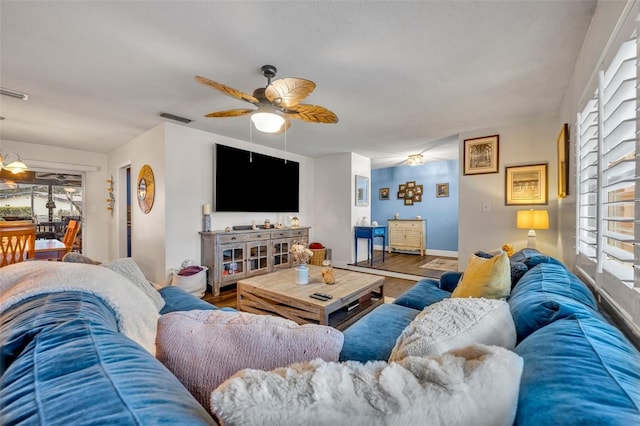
(318, 256)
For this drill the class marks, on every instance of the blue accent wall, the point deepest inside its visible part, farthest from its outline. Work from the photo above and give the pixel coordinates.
(441, 213)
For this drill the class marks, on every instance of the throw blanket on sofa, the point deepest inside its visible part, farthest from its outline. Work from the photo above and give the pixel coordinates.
(135, 312)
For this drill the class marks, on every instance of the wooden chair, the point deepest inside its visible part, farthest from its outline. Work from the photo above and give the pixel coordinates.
(17, 242)
(73, 227)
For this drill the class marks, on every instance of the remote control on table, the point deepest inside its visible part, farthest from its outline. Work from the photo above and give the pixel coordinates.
(325, 295)
(315, 296)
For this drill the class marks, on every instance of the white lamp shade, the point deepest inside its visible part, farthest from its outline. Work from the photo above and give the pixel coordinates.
(267, 122)
(532, 219)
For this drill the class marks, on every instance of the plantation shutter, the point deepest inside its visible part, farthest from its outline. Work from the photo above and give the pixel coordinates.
(618, 163)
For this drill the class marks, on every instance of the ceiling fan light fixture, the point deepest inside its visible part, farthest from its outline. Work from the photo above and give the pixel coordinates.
(267, 122)
(415, 160)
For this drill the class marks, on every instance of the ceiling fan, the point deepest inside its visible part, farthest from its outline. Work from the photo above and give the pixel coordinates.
(277, 102)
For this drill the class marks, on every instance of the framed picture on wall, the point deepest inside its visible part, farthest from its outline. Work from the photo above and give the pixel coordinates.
(526, 185)
(442, 189)
(563, 161)
(384, 193)
(408, 201)
(481, 155)
(362, 191)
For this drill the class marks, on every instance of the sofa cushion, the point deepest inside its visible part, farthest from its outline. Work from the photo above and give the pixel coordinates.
(424, 293)
(547, 293)
(474, 386)
(373, 336)
(523, 254)
(533, 261)
(456, 323)
(177, 299)
(67, 364)
(488, 278)
(579, 371)
(204, 348)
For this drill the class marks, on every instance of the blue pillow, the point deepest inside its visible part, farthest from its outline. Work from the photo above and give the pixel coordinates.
(536, 260)
(545, 294)
(424, 293)
(578, 371)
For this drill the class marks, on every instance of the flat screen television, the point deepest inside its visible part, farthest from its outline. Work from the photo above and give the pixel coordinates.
(246, 181)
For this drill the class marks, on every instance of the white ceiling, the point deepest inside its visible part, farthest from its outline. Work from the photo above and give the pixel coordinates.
(403, 77)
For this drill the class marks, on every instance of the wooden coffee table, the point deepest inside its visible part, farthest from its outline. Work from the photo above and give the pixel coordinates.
(277, 293)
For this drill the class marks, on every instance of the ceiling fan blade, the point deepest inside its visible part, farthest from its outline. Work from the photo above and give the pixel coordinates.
(287, 92)
(231, 113)
(312, 113)
(230, 91)
(285, 126)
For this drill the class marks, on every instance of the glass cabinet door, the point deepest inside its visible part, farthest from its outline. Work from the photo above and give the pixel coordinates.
(280, 255)
(258, 257)
(231, 262)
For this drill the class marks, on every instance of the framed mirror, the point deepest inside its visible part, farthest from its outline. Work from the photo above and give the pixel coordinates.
(145, 189)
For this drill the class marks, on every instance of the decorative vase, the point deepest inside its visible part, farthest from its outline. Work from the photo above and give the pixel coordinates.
(302, 274)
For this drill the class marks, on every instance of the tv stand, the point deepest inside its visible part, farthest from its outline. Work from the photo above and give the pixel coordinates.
(241, 253)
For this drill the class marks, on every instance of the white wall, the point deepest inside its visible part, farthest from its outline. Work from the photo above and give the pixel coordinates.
(531, 142)
(182, 161)
(148, 231)
(334, 192)
(94, 166)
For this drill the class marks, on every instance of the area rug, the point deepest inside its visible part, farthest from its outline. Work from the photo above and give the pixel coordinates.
(441, 265)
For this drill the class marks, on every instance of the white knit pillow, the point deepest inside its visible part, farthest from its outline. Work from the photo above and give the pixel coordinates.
(477, 385)
(455, 323)
(204, 348)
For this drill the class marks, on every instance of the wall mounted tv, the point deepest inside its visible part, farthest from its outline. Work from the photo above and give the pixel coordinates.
(246, 181)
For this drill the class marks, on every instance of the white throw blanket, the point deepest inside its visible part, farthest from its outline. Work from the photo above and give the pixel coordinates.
(477, 385)
(136, 315)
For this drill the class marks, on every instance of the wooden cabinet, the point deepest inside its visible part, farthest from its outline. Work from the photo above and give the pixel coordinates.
(408, 234)
(231, 256)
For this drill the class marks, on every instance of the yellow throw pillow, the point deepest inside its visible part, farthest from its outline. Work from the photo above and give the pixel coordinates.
(489, 278)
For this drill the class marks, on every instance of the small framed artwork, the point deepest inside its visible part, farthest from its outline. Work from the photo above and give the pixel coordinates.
(563, 162)
(362, 191)
(442, 189)
(401, 194)
(417, 198)
(418, 189)
(402, 187)
(384, 193)
(408, 201)
(525, 185)
(481, 155)
(411, 184)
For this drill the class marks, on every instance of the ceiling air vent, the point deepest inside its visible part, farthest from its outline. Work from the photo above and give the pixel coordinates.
(175, 117)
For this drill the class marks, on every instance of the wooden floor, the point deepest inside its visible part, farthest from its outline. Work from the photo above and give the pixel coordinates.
(403, 263)
(393, 287)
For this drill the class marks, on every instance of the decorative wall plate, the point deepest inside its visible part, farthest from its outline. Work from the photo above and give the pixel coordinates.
(146, 189)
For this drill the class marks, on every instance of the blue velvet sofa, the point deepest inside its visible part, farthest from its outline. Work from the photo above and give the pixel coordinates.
(578, 368)
(63, 360)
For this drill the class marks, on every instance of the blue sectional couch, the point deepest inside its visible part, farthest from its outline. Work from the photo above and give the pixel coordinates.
(578, 368)
(64, 361)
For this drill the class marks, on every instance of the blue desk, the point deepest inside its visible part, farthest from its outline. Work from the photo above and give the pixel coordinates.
(369, 233)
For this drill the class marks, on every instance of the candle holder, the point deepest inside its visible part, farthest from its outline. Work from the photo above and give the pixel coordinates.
(206, 223)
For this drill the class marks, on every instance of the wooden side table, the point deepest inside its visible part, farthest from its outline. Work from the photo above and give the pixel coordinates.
(369, 233)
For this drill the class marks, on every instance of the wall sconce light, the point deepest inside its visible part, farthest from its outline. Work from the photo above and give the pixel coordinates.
(532, 220)
(14, 164)
(111, 201)
(415, 160)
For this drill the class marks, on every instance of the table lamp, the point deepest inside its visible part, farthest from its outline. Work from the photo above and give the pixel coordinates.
(532, 220)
